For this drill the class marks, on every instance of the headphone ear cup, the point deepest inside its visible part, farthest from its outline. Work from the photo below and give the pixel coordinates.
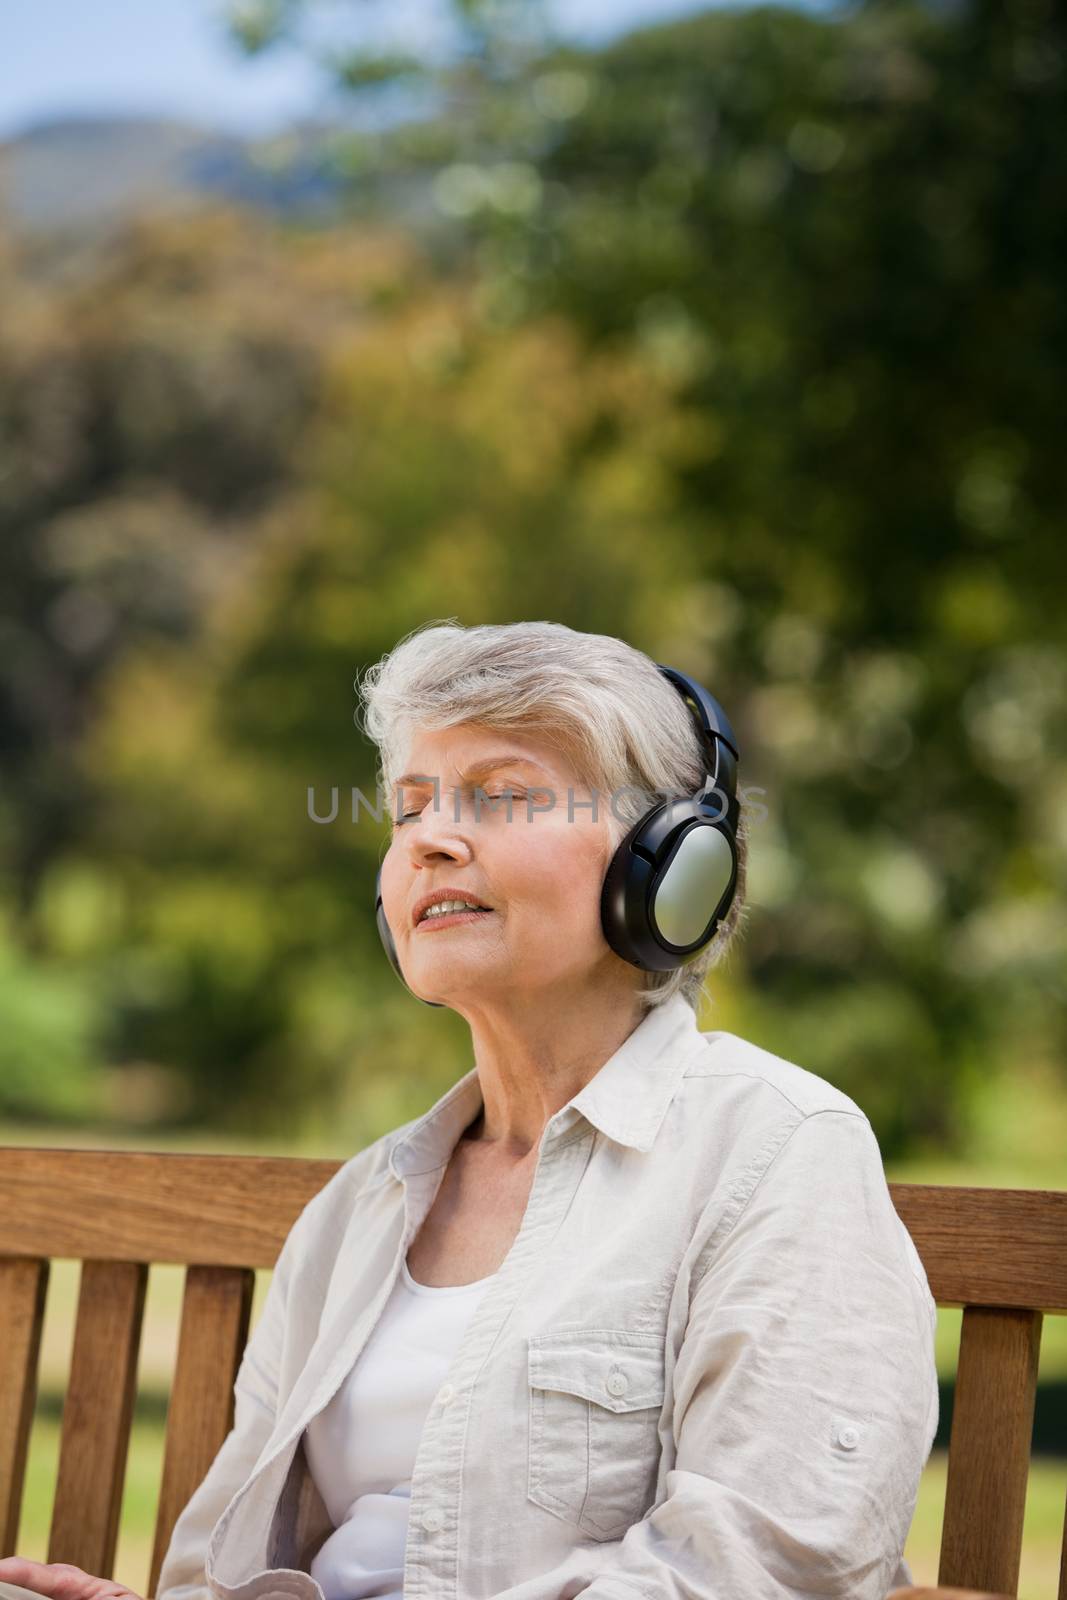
(642, 904)
(694, 888)
(385, 935)
(624, 897)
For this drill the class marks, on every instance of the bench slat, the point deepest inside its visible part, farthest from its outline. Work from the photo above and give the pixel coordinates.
(989, 1449)
(126, 1205)
(989, 1247)
(216, 1310)
(23, 1288)
(97, 1413)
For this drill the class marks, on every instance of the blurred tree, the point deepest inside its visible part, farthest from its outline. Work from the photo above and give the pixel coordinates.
(50, 1039)
(148, 411)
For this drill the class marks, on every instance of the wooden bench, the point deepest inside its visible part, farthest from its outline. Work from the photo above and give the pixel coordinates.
(1001, 1254)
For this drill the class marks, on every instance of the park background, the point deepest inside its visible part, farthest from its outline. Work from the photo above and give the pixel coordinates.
(738, 333)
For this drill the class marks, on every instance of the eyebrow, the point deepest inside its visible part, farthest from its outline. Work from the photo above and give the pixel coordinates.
(476, 769)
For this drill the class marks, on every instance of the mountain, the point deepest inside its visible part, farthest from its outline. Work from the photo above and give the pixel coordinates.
(79, 171)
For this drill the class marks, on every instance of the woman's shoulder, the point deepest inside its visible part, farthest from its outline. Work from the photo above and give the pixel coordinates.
(739, 1070)
(368, 1169)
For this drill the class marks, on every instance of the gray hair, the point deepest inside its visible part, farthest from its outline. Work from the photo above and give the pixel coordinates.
(606, 705)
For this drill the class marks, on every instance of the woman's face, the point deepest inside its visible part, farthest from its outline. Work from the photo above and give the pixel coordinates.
(540, 872)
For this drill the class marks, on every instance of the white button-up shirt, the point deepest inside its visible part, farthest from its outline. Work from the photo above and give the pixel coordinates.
(704, 1371)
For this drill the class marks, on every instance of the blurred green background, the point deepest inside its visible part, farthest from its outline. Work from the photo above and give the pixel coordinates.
(739, 335)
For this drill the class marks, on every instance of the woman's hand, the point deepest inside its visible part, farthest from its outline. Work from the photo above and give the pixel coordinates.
(60, 1580)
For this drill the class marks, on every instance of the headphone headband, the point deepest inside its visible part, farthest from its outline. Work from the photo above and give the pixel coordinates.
(719, 739)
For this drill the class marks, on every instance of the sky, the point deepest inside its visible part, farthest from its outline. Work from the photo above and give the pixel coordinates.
(172, 58)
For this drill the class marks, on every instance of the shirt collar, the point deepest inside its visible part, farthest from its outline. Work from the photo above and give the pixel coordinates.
(626, 1099)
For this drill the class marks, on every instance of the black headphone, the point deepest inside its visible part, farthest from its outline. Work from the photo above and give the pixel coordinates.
(672, 879)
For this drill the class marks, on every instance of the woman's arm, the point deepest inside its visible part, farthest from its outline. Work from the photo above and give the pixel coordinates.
(805, 1393)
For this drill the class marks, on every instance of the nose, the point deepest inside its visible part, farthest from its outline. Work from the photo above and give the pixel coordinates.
(436, 836)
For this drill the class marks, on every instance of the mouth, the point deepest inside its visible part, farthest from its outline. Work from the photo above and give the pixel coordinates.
(451, 919)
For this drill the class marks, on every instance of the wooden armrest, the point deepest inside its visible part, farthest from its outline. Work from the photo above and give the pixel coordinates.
(946, 1594)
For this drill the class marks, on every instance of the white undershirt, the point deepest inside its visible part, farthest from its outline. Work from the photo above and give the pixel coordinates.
(361, 1447)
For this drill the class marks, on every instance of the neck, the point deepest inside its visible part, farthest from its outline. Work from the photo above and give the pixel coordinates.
(533, 1061)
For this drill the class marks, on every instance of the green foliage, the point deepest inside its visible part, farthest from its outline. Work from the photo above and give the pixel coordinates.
(48, 1041)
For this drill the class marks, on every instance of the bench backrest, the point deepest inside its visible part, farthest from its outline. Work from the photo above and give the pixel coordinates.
(1000, 1254)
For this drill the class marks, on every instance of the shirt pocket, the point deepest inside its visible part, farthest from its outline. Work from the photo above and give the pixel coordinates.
(595, 1401)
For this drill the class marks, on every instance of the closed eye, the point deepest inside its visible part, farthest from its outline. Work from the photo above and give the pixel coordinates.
(515, 794)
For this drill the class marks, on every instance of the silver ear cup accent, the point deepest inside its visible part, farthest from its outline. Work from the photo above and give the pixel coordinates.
(692, 886)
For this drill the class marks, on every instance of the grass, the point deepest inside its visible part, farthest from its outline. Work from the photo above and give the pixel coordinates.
(1020, 1141)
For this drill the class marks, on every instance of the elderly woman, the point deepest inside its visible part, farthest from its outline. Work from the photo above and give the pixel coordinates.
(628, 1313)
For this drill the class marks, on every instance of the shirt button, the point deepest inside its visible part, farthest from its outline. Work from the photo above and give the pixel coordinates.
(433, 1519)
(445, 1393)
(848, 1438)
(618, 1383)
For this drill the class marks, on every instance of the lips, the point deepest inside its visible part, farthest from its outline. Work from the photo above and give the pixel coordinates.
(453, 911)
(452, 919)
(444, 894)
